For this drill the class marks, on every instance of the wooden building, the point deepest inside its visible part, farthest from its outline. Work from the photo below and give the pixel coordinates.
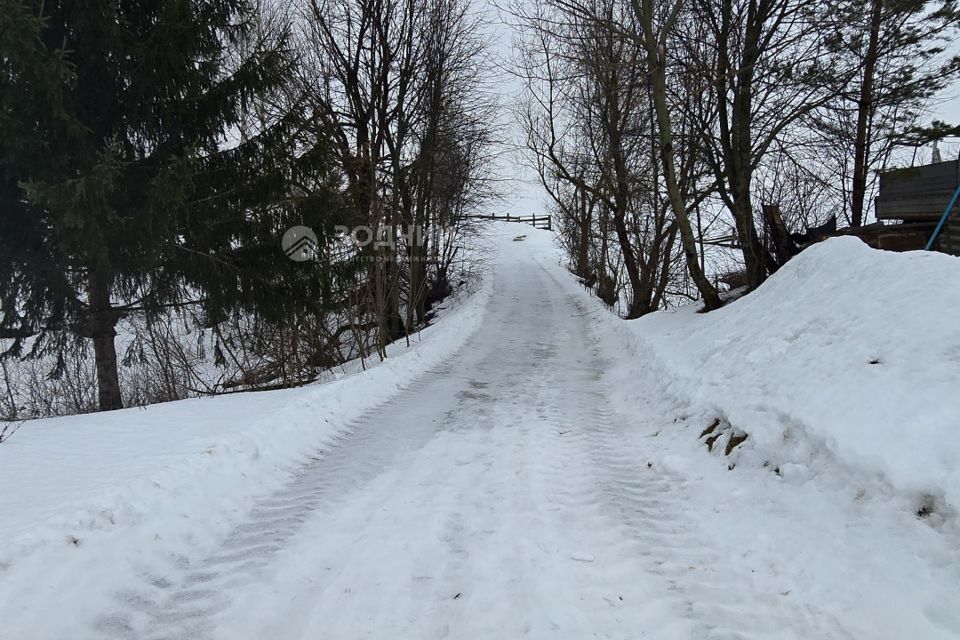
(916, 198)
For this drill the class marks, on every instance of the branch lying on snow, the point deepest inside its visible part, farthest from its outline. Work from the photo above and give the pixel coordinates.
(9, 429)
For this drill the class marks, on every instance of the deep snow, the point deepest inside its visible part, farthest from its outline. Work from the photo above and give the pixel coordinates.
(853, 352)
(543, 477)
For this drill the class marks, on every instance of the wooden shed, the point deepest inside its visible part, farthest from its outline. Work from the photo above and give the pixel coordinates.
(917, 194)
(916, 197)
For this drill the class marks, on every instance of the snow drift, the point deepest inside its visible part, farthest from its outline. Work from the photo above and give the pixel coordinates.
(857, 349)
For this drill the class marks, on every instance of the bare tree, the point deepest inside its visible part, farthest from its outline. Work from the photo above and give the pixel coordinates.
(395, 84)
(765, 59)
(655, 33)
(588, 129)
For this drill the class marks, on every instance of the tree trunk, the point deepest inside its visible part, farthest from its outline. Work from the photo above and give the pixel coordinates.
(101, 329)
(419, 291)
(621, 201)
(664, 278)
(583, 240)
(656, 59)
(392, 325)
(606, 285)
(741, 162)
(753, 252)
(861, 145)
(629, 262)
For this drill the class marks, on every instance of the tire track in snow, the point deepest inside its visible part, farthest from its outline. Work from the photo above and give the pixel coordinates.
(500, 529)
(650, 504)
(181, 597)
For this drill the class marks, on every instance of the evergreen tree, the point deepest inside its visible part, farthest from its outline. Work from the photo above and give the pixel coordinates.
(123, 187)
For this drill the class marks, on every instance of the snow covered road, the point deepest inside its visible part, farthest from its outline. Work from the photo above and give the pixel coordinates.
(499, 498)
(493, 500)
(511, 493)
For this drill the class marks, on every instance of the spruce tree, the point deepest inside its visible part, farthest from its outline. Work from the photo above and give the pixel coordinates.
(123, 186)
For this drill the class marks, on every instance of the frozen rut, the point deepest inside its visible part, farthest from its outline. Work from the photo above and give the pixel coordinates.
(500, 497)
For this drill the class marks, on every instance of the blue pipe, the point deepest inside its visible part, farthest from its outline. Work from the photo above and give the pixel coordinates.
(943, 220)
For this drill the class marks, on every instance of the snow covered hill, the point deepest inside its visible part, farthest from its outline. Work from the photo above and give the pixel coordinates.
(546, 474)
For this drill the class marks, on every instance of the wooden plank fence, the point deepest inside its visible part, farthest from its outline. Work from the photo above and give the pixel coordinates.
(538, 222)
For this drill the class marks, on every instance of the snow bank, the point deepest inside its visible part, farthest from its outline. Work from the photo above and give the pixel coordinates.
(181, 471)
(847, 353)
(857, 349)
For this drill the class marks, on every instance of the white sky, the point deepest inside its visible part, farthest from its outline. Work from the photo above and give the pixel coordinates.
(522, 193)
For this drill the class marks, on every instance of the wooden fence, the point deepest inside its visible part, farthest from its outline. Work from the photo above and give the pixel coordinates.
(539, 222)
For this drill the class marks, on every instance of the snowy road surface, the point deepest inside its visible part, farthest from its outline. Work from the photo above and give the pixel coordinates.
(507, 495)
(494, 500)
